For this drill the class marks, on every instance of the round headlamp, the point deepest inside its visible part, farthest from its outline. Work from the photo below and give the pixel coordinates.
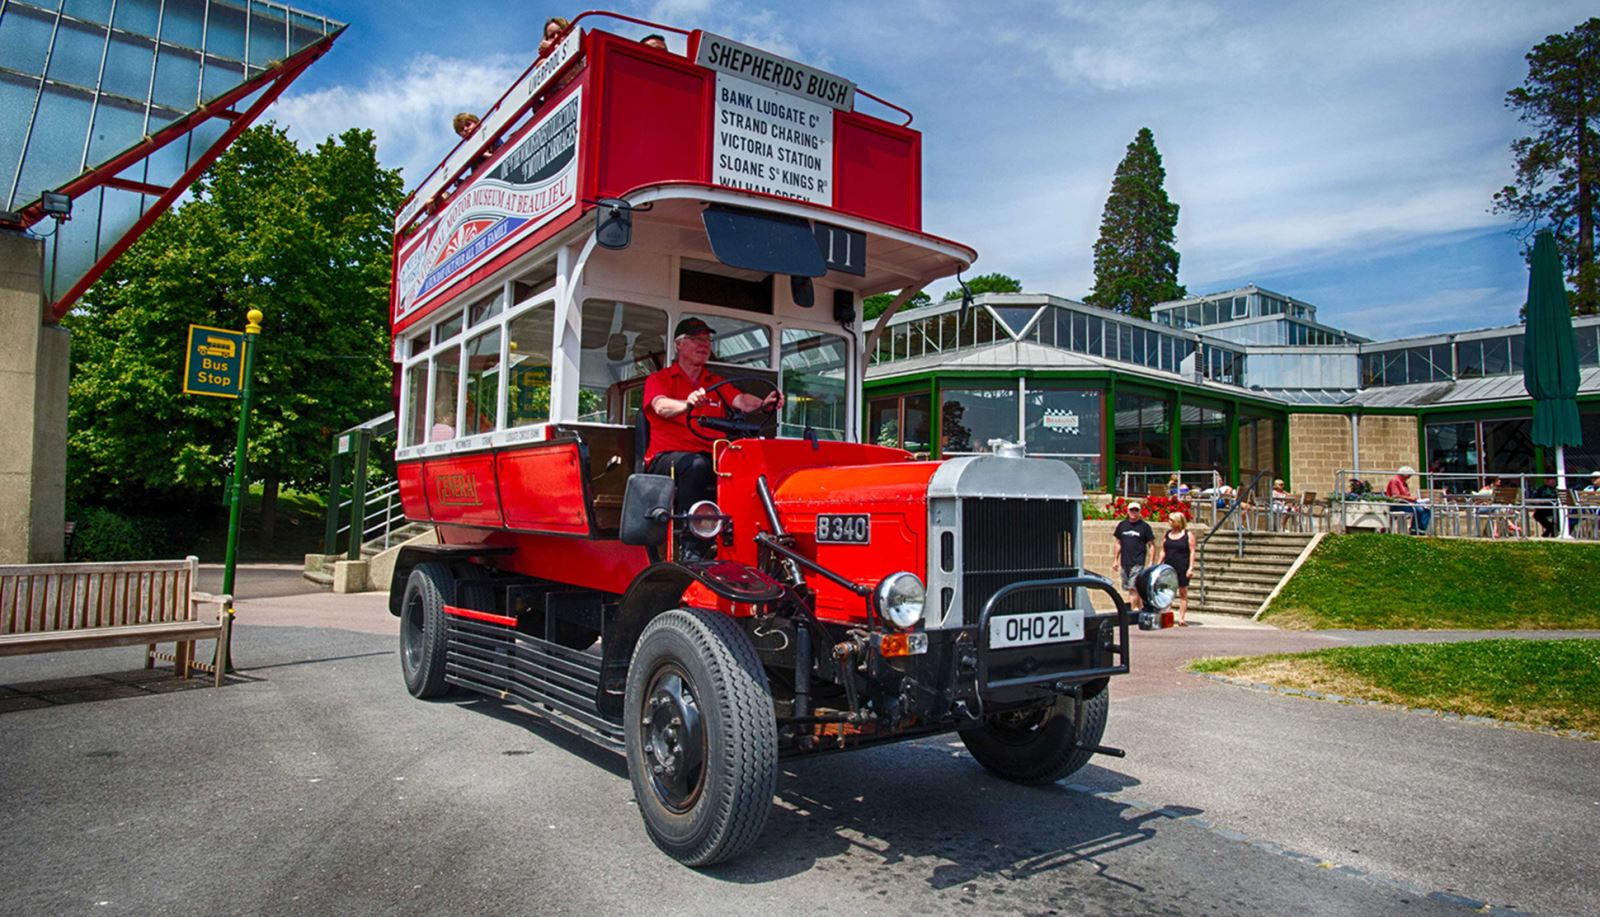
(705, 520)
(899, 599)
(1158, 586)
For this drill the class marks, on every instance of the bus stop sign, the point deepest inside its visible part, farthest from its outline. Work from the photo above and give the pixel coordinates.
(214, 363)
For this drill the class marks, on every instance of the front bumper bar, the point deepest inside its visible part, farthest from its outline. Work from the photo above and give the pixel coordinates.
(1091, 635)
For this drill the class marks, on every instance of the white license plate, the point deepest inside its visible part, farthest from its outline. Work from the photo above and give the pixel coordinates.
(1039, 627)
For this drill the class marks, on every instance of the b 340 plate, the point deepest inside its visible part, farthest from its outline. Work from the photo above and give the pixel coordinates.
(844, 528)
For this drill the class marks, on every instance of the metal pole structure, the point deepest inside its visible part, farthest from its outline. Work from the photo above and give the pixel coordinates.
(358, 496)
(252, 329)
(330, 535)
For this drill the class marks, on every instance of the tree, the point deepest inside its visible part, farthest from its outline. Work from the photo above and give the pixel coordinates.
(874, 306)
(986, 283)
(1135, 262)
(303, 236)
(1558, 166)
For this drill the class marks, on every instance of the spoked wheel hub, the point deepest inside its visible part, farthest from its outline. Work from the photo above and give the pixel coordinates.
(672, 734)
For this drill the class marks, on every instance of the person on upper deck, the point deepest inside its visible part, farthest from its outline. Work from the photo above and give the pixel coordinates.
(554, 27)
(655, 40)
(465, 124)
(669, 393)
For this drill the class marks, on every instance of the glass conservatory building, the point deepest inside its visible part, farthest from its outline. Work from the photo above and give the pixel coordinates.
(1230, 383)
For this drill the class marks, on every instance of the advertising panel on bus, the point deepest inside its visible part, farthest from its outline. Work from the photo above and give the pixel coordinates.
(526, 185)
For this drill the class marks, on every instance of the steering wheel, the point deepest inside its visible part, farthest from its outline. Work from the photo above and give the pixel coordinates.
(736, 424)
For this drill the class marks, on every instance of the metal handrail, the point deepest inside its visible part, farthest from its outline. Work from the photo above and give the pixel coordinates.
(379, 512)
(1567, 506)
(1146, 476)
(1199, 549)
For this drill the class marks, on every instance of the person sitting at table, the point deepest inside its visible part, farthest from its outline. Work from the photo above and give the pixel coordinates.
(1546, 515)
(1489, 485)
(1400, 489)
(1594, 484)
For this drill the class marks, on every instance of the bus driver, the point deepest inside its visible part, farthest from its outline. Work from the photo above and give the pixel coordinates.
(668, 394)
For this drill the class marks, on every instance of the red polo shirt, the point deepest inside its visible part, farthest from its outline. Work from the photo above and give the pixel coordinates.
(671, 434)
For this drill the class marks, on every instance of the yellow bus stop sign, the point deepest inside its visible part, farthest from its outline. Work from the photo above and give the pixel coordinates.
(214, 363)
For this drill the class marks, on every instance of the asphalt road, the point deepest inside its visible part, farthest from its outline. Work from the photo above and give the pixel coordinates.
(314, 784)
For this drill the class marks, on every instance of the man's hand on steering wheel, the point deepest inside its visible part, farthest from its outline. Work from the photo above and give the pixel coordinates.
(737, 424)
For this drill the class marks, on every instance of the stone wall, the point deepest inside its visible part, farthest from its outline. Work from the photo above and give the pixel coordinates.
(1319, 447)
(1386, 444)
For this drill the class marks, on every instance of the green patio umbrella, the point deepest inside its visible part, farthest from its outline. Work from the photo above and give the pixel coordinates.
(1550, 358)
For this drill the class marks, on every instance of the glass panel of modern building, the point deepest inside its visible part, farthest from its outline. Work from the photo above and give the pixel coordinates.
(1066, 423)
(970, 417)
(1258, 447)
(1203, 439)
(1144, 434)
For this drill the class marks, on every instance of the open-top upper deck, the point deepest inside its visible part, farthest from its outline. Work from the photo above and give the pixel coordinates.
(601, 116)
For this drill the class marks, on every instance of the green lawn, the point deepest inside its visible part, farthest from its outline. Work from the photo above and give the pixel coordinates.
(1383, 582)
(1553, 683)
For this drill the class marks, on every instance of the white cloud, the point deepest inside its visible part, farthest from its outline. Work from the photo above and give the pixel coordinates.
(408, 109)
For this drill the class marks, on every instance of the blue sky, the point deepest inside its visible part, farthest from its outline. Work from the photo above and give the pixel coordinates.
(1344, 154)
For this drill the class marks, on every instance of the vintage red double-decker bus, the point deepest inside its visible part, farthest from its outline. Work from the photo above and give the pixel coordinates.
(701, 230)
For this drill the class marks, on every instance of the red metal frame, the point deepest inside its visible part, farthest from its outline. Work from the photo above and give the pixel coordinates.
(275, 80)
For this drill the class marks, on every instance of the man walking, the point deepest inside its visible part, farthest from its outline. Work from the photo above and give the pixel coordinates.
(1132, 551)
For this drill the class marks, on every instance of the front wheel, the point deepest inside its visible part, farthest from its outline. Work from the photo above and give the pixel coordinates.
(1040, 746)
(701, 736)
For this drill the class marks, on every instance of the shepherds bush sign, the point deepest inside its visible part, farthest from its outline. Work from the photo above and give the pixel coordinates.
(774, 121)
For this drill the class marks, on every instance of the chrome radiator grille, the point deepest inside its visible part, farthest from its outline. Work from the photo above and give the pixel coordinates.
(1006, 540)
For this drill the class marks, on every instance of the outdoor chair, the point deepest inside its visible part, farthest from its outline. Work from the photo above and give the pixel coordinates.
(1157, 490)
(1447, 512)
(1587, 524)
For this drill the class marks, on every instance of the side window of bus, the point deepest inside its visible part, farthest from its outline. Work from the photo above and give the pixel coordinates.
(483, 383)
(621, 341)
(532, 336)
(446, 373)
(814, 383)
(416, 432)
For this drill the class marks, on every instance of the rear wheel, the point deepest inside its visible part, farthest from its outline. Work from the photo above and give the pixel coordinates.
(422, 630)
(701, 738)
(1040, 746)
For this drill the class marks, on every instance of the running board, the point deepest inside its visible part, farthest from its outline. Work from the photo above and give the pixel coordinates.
(554, 682)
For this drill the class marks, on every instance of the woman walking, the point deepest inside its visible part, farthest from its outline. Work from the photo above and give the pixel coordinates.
(1177, 552)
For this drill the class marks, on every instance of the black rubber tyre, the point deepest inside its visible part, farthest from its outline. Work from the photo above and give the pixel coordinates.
(422, 630)
(704, 757)
(1038, 748)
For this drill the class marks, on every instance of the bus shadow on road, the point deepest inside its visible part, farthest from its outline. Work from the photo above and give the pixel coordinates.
(929, 804)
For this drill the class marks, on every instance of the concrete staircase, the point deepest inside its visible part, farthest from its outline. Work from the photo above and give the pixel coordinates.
(319, 567)
(1239, 585)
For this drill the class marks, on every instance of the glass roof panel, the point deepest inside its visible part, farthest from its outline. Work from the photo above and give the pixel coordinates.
(75, 95)
(1016, 318)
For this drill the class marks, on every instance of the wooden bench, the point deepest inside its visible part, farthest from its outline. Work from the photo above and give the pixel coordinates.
(50, 607)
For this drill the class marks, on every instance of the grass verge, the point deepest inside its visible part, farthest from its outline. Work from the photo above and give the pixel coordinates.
(1385, 582)
(1549, 683)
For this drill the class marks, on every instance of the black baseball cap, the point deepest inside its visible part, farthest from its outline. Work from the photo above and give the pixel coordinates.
(691, 326)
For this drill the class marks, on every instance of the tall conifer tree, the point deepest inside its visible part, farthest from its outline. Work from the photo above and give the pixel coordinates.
(1558, 167)
(1135, 261)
